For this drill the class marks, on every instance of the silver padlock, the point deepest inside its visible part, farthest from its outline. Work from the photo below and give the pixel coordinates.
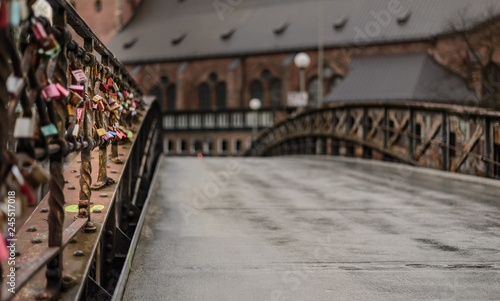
(24, 128)
(76, 129)
(15, 85)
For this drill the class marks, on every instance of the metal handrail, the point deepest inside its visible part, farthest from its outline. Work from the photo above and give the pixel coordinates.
(37, 66)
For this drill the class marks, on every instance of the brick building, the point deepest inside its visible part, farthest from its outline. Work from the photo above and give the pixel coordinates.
(206, 59)
(106, 17)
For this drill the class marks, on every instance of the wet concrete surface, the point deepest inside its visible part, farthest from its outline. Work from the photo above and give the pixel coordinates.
(315, 229)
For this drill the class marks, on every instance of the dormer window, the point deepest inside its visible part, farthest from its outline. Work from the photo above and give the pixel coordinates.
(178, 39)
(340, 23)
(227, 34)
(280, 28)
(403, 19)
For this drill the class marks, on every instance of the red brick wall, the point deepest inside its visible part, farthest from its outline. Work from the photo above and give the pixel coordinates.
(106, 23)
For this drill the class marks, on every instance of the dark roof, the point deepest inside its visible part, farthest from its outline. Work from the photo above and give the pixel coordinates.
(396, 77)
(165, 30)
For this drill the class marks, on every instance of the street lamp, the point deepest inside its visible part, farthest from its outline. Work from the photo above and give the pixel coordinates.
(302, 61)
(255, 105)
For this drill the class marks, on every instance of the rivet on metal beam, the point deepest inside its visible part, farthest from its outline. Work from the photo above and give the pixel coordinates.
(36, 240)
(72, 241)
(103, 195)
(73, 171)
(18, 266)
(71, 187)
(79, 161)
(114, 171)
(31, 229)
(96, 210)
(44, 210)
(78, 175)
(17, 253)
(78, 253)
(66, 181)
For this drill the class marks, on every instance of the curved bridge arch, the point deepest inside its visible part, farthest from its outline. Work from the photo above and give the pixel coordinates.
(449, 137)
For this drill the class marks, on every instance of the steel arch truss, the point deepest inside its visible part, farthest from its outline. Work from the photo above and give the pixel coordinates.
(448, 137)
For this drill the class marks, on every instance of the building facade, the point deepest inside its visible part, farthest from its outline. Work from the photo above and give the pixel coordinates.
(205, 60)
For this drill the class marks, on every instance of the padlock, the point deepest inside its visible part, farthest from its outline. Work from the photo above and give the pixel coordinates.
(101, 132)
(110, 82)
(4, 15)
(76, 130)
(14, 13)
(79, 114)
(79, 76)
(94, 106)
(40, 34)
(37, 176)
(77, 89)
(104, 88)
(115, 87)
(52, 48)
(23, 185)
(74, 99)
(107, 136)
(97, 98)
(114, 106)
(24, 128)
(90, 105)
(114, 96)
(15, 85)
(70, 109)
(62, 91)
(50, 92)
(49, 130)
(101, 106)
(125, 94)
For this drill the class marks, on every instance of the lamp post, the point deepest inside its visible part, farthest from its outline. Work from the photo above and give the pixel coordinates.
(255, 105)
(302, 61)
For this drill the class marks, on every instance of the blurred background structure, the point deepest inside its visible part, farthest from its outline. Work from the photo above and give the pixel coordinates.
(206, 59)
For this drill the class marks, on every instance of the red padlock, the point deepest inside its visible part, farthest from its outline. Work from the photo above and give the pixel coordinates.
(4, 20)
(104, 88)
(77, 89)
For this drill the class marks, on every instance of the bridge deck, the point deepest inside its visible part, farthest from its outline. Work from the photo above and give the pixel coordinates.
(315, 229)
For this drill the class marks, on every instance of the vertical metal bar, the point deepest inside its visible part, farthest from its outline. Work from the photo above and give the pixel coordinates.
(86, 167)
(445, 149)
(411, 138)
(102, 177)
(386, 128)
(487, 147)
(56, 201)
(365, 132)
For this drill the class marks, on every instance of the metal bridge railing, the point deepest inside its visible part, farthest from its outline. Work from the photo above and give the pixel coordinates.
(452, 138)
(57, 99)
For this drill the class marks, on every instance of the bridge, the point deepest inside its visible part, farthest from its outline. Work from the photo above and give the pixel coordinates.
(315, 228)
(92, 210)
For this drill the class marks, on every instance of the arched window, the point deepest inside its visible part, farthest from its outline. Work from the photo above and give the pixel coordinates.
(204, 96)
(220, 94)
(171, 95)
(156, 91)
(275, 92)
(257, 90)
